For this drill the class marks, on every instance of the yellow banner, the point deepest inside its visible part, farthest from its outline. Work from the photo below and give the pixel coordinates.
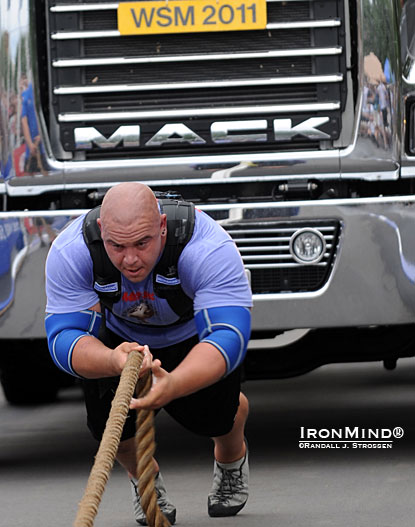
(190, 16)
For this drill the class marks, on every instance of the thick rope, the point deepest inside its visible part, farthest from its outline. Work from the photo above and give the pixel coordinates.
(104, 460)
(145, 445)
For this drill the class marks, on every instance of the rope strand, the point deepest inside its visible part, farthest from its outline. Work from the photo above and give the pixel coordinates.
(145, 445)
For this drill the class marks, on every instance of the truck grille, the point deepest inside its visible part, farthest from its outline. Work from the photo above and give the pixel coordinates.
(265, 251)
(294, 69)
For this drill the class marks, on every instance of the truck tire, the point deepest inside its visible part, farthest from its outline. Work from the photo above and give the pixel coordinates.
(27, 373)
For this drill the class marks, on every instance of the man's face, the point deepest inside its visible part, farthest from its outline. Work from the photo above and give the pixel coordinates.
(134, 250)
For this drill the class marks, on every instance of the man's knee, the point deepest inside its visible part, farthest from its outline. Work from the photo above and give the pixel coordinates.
(243, 408)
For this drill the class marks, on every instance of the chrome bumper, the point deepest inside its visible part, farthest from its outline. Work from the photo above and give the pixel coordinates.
(372, 281)
(373, 277)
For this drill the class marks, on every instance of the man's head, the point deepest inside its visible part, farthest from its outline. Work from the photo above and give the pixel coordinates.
(132, 229)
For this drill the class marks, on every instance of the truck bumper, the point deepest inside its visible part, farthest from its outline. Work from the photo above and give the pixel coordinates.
(371, 281)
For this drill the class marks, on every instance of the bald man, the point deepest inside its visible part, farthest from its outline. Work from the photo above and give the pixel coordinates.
(195, 361)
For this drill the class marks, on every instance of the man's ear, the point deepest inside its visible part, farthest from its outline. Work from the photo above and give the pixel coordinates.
(99, 224)
(163, 224)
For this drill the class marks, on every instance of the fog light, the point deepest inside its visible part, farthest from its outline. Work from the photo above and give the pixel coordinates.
(307, 246)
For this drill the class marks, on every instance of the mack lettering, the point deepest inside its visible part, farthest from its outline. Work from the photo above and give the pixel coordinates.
(255, 130)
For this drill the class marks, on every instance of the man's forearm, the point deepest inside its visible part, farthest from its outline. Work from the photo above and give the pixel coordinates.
(203, 366)
(92, 359)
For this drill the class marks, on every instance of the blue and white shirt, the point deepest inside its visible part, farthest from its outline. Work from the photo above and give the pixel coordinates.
(210, 269)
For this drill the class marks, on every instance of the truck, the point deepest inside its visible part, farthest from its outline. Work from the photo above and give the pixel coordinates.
(290, 122)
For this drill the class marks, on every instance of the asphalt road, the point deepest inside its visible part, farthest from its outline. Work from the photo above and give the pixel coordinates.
(46, 454)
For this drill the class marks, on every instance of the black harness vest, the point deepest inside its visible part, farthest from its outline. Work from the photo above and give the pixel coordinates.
(166, 281)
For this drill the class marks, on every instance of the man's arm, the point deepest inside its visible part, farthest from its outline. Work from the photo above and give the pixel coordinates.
(224, 334)
(76, 350)
(204, 365)
(91, 359)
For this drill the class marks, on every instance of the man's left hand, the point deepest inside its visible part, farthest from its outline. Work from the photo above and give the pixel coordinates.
(161, 391)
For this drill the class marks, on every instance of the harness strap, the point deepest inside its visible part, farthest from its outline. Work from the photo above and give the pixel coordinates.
(166, 281)
(107, 278)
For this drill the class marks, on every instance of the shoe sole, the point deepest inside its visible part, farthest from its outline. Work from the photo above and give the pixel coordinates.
(222, 512)
(171, 517)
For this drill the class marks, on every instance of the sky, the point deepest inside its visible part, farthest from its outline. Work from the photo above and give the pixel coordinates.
(14, 18)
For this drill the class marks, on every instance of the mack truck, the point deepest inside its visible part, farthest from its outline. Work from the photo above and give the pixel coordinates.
(290, 122)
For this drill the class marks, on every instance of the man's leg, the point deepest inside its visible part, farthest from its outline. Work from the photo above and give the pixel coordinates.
(231, 447)
(229, 491)
(126, 457)
(218, 411)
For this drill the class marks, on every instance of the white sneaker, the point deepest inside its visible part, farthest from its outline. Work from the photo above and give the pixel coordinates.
(167, 508)
(229, 491)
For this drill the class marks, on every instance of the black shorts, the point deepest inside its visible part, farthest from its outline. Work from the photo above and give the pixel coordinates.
(209, 412)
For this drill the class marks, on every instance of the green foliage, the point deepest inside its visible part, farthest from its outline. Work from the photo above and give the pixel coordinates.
(379, 34)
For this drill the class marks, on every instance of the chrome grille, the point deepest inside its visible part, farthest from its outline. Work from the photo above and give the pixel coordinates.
(293, 69)
(265, 251)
